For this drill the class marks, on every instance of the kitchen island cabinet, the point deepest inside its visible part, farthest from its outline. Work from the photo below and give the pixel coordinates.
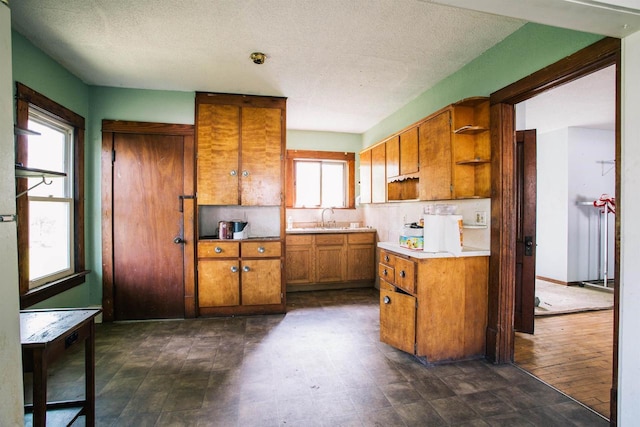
(434, 307)
(330, 260)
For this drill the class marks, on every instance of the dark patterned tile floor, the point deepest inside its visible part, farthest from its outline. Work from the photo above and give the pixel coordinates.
(321, 364)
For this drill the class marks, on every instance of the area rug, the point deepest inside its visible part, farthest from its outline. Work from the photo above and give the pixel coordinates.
(561, 299)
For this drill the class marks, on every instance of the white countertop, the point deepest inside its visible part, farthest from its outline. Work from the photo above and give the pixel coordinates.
(466, 251)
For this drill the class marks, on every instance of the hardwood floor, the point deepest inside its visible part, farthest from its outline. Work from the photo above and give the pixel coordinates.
(573, 353)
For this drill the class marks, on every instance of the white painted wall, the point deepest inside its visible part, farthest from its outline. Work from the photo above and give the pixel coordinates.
(629, 339)
(11, 401)
(551, 211)
(589, 178)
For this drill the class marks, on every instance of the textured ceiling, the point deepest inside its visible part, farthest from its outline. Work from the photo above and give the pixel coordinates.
(343, 65)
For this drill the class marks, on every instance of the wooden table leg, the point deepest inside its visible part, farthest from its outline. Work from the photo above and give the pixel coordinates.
(90, 383)
(39, 387)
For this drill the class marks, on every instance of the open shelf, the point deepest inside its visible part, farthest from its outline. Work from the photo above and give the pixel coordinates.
(473, 161)
(25, 172)
(470, 130)
(22, 131)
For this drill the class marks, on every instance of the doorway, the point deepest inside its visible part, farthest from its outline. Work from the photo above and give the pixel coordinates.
(148, 238)
(500, 332)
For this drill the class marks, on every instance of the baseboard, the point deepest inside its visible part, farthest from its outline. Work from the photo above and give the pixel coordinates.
(548, 279)
(329, 286)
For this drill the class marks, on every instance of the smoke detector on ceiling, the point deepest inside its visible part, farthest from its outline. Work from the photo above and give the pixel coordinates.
(258, 57)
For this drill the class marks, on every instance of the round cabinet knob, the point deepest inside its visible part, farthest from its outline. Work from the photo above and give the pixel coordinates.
(403, 274)
(218, 249)
(233, 172)
(386, 300)
(246, 268)
(245, 173)
(386, 258)
(234, 269)
(384, 271)
(261, 249)
(178, 240)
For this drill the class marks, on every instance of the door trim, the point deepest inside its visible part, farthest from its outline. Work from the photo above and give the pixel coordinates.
(109, 128)
(500, 333)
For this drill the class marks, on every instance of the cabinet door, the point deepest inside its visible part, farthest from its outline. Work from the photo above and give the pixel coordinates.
(378, 174)
(262, 160)
(330, 264)
(409, 153)
(392, 147)
(299, 264)
(398, 320)
(218, 128)
(261, 282)
(365, 176)
(361, 262)
(218, 283)
(435, 158)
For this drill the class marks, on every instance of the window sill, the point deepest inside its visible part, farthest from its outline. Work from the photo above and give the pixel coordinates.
(54, 288)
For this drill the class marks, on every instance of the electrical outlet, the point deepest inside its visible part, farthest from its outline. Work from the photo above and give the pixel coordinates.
(481, 218)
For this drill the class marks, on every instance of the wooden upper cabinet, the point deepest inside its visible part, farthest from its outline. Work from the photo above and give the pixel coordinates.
(392, 147)
(261, 160)
(365, 176)
(378, 174)
(435, 157)
(218, 133)
(240, 159)
(409, 153)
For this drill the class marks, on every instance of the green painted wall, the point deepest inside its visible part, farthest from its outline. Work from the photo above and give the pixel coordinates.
(529, 49)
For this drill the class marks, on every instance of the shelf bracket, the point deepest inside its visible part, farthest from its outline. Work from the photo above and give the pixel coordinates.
(44, 181)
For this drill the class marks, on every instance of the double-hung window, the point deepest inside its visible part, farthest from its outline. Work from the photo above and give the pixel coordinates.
(50, 209)
(320, 179)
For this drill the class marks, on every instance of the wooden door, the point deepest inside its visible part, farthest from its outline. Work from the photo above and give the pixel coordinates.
(262, 157)
(409, 152)
(218, 129)
(261, 281)
(365, 176)
(378, 174)
(330, 263)
(148, 280)
(435, 158)
(218, 283)
(398, 320)
(392, 147)
(525, 195)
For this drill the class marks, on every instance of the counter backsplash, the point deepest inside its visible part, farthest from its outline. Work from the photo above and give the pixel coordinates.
(263, 221)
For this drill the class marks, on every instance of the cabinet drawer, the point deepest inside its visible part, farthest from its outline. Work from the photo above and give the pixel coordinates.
(387, 258)
(360, 238)
(386, 286)
(405, 274)
(330, 239)
(218, 249)
(261, 249)
(386, 273)
(299, 239)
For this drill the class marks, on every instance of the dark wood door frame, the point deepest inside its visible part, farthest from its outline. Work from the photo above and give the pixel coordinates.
(500, 332)
(109, 128)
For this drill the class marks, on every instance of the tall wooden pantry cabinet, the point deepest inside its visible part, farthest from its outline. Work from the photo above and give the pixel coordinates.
(240, 143)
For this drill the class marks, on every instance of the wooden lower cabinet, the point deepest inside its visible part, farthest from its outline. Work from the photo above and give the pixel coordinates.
(445, 313)
(240, 278)
(330, 258)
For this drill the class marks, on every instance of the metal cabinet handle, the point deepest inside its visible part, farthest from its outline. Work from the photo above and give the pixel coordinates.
(384, 271)
(261, 249)
(386, 300)
(245, 173)
(178, 240)
(402, 274)
(218, 249)
(233, 172)
(234, 269)
(386, 258)
(246, 268)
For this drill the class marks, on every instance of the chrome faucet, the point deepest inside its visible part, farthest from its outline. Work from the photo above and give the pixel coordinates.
(323, 211)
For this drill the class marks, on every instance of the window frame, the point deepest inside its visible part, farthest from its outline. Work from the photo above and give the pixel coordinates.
(26, 98)
(293, 155)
